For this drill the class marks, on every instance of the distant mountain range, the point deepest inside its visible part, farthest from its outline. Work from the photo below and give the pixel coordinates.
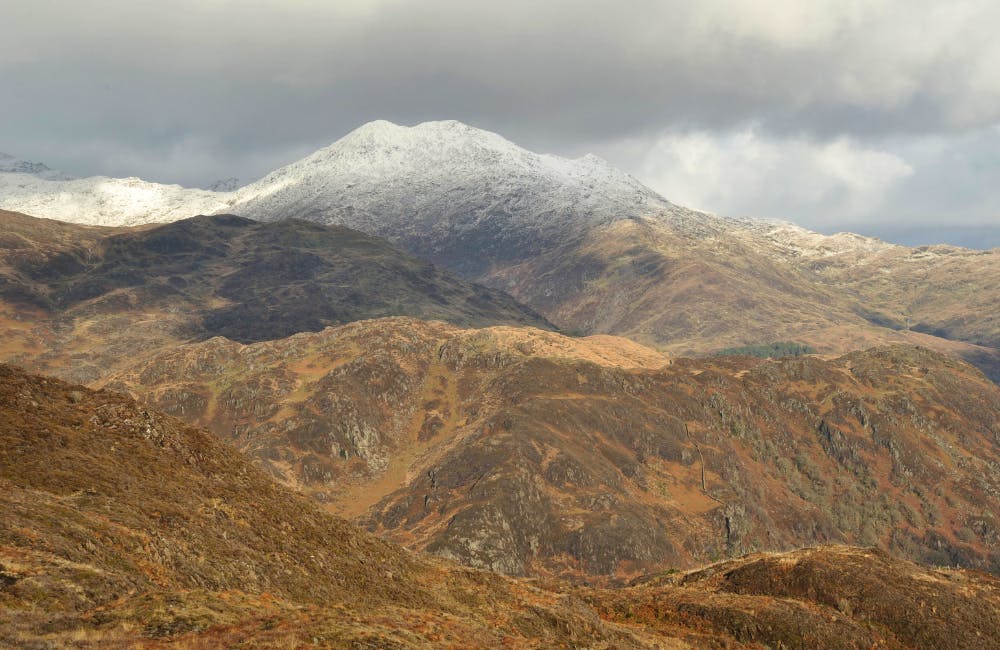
(11, 165)
(587, 246)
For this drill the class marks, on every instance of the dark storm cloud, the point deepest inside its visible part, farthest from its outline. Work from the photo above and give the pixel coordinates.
(190, 91)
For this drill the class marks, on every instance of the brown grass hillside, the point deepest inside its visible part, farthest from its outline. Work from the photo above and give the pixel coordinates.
(694, 292)
(533, 453)
(122, 527)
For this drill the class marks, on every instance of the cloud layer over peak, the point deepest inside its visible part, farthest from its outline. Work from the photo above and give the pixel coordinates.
(860, 114)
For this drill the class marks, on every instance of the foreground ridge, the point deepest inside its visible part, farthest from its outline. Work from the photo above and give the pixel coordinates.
(124, 527)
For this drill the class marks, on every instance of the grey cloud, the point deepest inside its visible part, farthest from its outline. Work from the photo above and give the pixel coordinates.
(119, 87)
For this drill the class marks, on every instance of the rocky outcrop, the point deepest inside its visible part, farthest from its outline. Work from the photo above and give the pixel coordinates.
(533, 453)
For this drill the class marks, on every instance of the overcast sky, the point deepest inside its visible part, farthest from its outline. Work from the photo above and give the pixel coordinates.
(881, 117)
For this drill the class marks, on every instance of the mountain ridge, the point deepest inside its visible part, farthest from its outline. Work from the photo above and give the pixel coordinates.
(591, 248)
(363, 142)
(110, 296)
(388, 153)
(528, 452)
(11, 165)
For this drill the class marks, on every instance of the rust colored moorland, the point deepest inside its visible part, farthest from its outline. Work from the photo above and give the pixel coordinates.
(123, 527)
(531, 453)
(617, 495)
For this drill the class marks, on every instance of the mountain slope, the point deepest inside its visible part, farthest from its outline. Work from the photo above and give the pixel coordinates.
(107, 296)
(528, 452)
(837, 584)
(122, 527)
(942, 290)
(134, 526)
(589, 247)
(462, 197)
(689, 295)
(34, 188)
(440, 189)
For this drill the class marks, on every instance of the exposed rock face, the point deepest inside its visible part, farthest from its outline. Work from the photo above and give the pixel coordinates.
(540, 454)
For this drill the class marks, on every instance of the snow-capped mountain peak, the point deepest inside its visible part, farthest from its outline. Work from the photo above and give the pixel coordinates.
(395, 181)
(462, 196)
(446, 180)
(11, 165)
(445, 156)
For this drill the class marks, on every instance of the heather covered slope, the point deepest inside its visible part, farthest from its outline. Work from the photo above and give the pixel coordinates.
(123, 527)
(79, 301)
(946, 291)
(120, 526)
(663, 285)
(815, 598)
(528, 452)
(694, 292)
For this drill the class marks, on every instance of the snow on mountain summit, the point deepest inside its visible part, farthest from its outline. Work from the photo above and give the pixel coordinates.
(461, 196)
(103, 201)
(394, 181)
(426, 166)
(441, 187)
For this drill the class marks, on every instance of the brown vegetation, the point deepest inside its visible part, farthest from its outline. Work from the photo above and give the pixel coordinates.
(122, 527)
(693, 292)
(79, 301)
(526, 452)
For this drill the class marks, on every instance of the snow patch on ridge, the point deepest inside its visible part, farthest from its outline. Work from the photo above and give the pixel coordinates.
(105, 201)
(791, 240)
